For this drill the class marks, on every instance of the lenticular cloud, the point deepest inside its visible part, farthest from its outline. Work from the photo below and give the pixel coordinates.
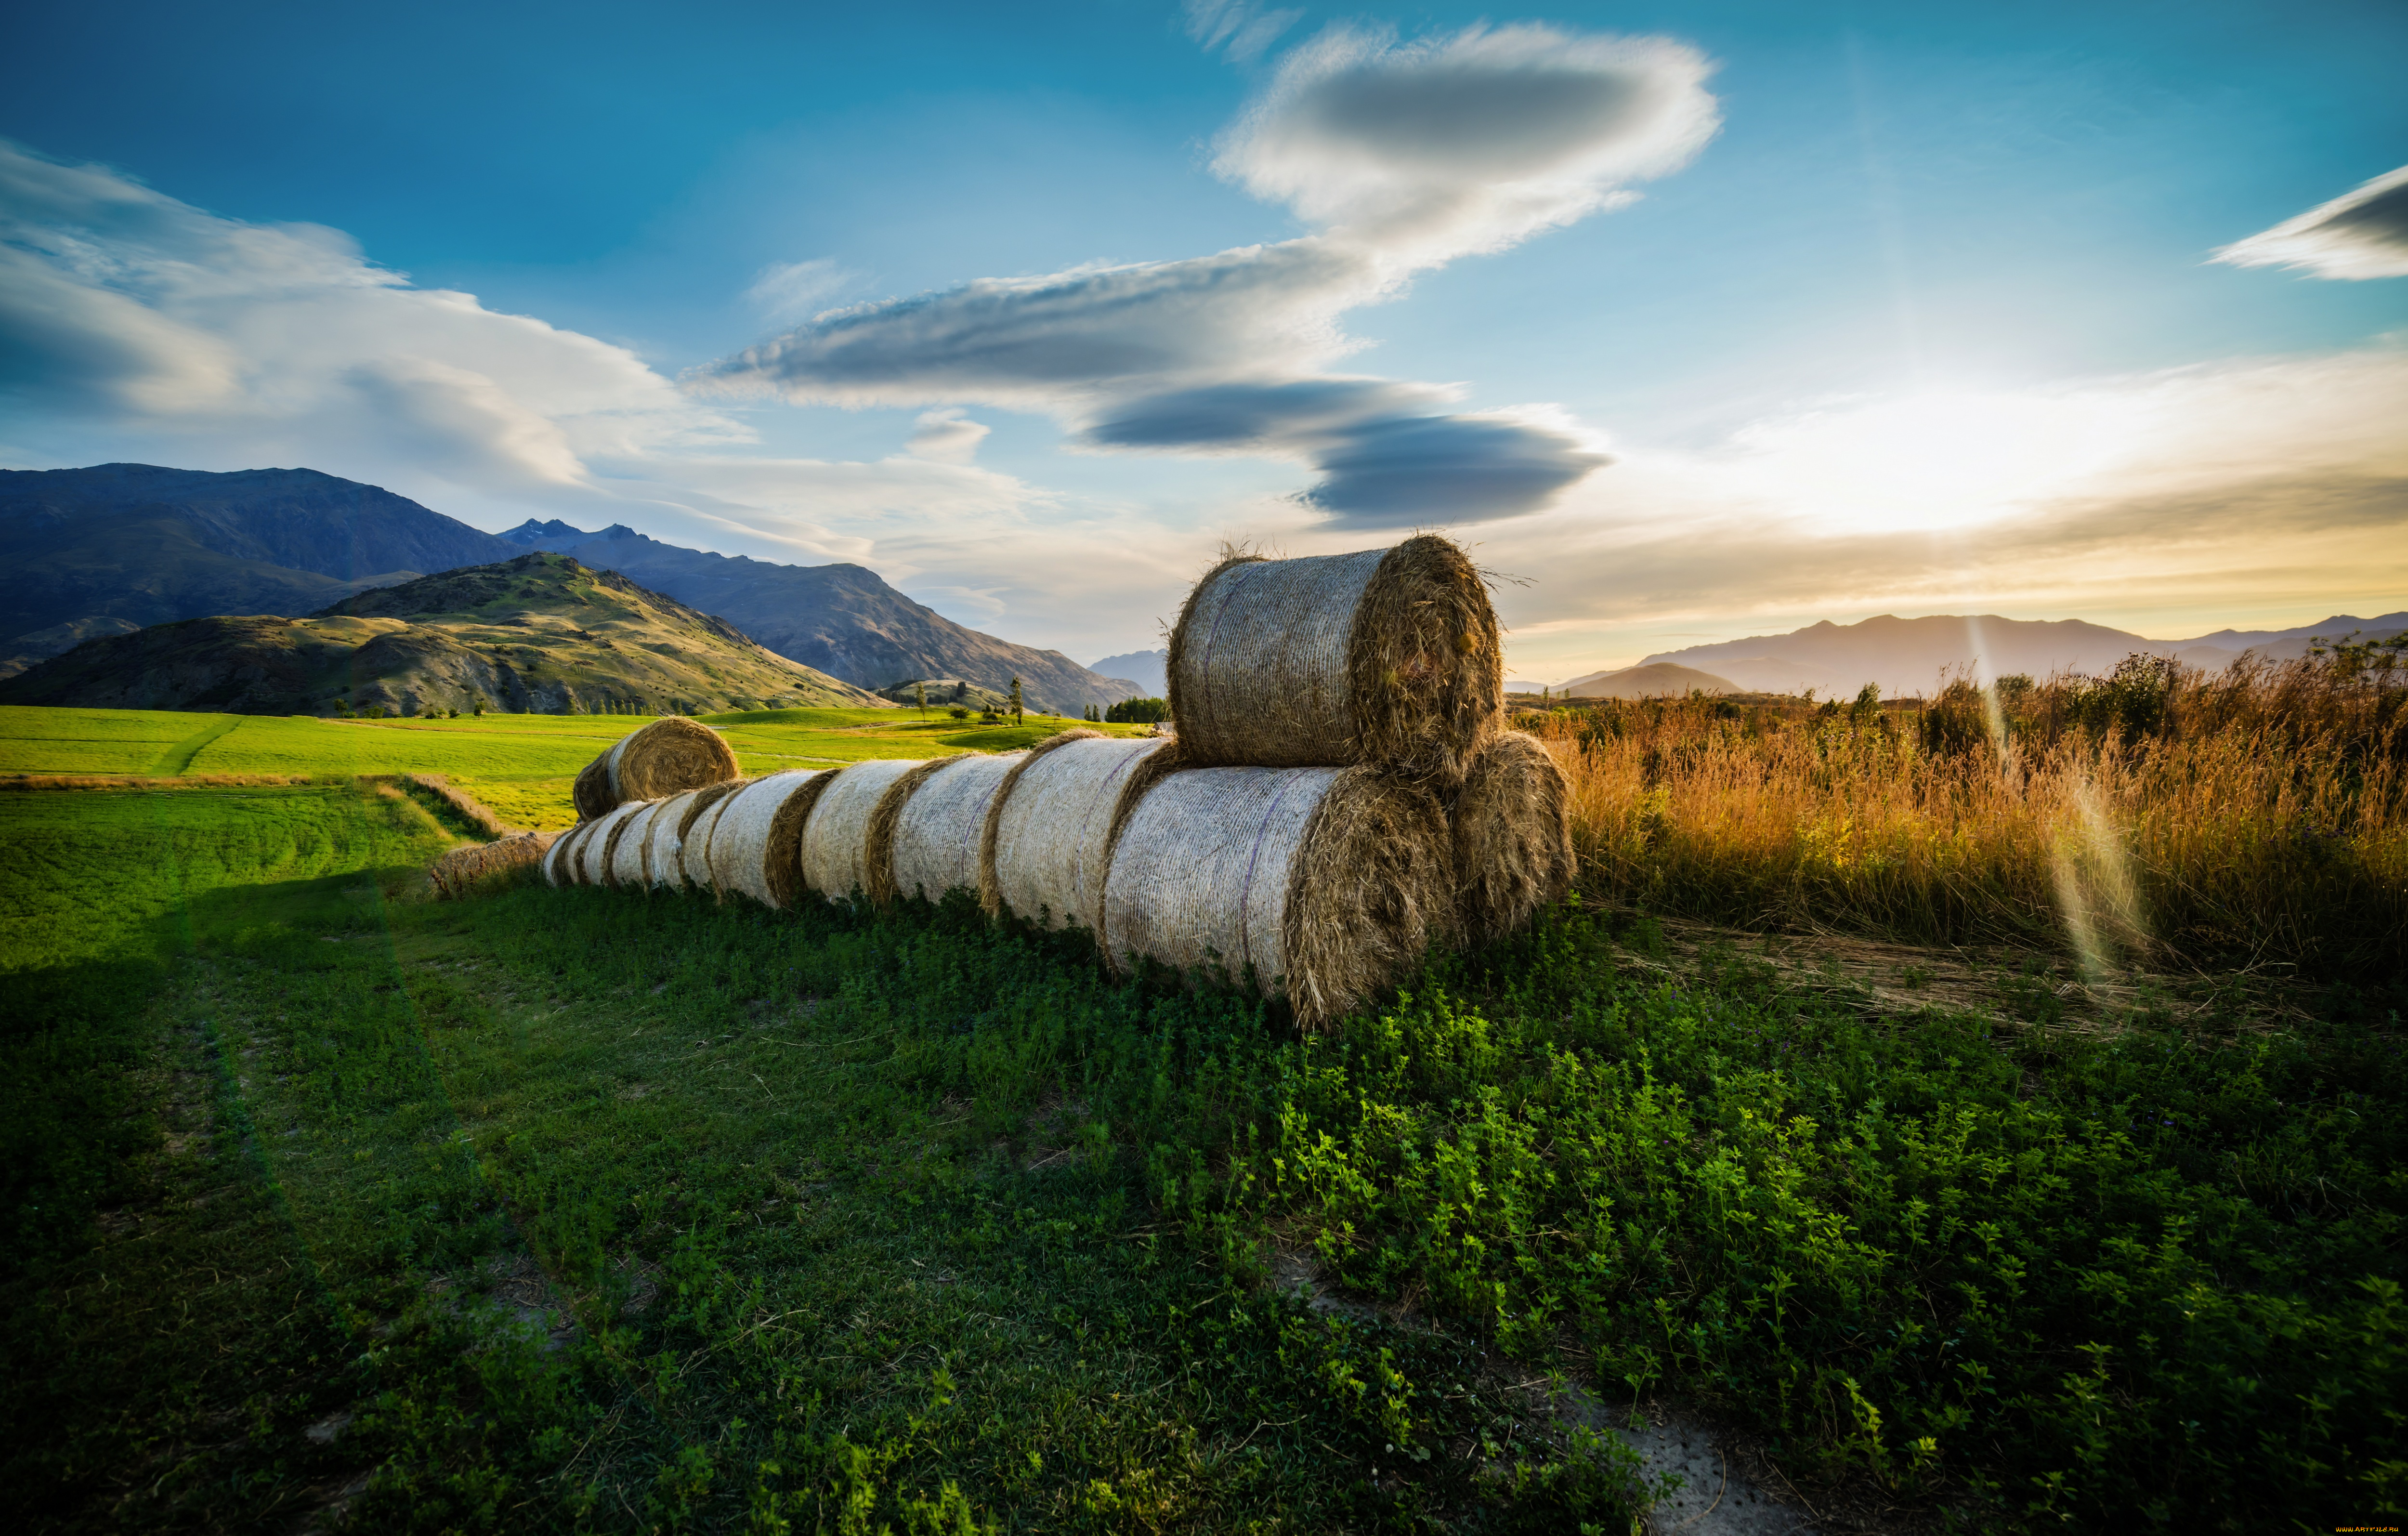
(1400, 158)
(2361, 234)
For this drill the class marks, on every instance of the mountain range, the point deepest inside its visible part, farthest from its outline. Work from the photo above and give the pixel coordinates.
(842, 620)
(94, 552)
(1908, 656)
(539, 634)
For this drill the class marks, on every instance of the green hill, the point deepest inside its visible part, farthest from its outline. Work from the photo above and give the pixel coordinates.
(541, 635)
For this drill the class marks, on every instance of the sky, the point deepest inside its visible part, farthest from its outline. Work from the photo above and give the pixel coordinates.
(1693, 321)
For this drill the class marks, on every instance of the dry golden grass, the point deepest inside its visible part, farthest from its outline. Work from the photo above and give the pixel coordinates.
(2260, 816)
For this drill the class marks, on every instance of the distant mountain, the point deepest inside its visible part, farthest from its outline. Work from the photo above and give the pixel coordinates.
(1907, 657)
(141, 545)
(844, 619)
(1149, 670)
(135, 544)
(1659, 680)
(538, 634)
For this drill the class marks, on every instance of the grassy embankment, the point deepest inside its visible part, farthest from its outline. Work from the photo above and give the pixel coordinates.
(521, 765)
(566, 1208)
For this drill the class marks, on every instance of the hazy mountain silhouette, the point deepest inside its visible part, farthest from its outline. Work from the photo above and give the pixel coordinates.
(1908, 655)
(1149, 670)
(1656, 680)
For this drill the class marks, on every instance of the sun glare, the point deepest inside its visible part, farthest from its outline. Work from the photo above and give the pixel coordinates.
(1931, 462)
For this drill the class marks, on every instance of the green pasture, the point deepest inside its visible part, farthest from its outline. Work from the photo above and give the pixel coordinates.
(521, 765)
(580, 1210)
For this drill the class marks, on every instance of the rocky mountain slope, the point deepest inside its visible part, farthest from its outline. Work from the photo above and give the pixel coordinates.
(538, 634)
(844, 619)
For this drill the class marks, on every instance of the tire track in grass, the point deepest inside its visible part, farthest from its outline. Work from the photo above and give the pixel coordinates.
(177, 758)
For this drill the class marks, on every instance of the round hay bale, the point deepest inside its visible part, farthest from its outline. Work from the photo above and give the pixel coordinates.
(693, 849)
(1512, 823)
(1323, 883)
(756, 842)
(594, 853)
(1387, 657)
(666, 756)
(625, 868)
(938, 824)
(661, 841)
(556, 859)
(666, 840)
(836, 837)
(1047, 843)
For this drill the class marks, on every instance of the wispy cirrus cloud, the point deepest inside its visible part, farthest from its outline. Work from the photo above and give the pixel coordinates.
(1400, 157)
(1241, 30)
(2361, 234)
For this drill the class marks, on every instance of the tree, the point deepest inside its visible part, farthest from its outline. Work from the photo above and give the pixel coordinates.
(1139, 711)
(1017, 718)
(920, 691)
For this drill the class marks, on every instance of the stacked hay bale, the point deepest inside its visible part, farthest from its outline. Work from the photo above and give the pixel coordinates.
(1513, 826)
(1321, 883)
(670, 754)
(1342, 793)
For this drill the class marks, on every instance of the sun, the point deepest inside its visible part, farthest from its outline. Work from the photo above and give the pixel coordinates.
(1932, 461)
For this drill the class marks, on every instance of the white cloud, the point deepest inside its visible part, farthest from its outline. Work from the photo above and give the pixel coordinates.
(1403, 156)
(1429, 150)
(2361, 234)
(945, 436)
(166, 332)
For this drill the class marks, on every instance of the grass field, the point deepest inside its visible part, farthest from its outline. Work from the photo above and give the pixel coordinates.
(521, 765)
(575, 1209)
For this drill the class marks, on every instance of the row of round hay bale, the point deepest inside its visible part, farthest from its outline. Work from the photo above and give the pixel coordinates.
(1321, 883)
(665, 839)
(693, 849)
(1512, 833)
(670, 754)
(835, 836)
(556, 857)
(925, 836)
(1046, 845)
(1390, 658)
(756, 840)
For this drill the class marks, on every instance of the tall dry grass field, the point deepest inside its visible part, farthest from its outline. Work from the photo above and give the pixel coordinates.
(2259, 815)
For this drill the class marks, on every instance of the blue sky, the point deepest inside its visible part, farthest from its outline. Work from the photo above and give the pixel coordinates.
(1913, 310)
